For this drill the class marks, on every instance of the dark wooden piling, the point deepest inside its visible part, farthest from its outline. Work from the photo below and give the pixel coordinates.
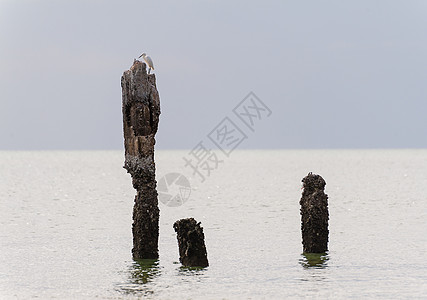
(141, 110)
(191, 243)
(314, 214)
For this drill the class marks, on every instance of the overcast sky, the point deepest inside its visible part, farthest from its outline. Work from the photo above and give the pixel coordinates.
(335, 74)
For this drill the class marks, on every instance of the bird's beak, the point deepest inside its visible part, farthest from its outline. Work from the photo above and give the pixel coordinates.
(140, 56)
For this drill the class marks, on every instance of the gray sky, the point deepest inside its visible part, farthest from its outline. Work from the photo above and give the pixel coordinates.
(335, 74)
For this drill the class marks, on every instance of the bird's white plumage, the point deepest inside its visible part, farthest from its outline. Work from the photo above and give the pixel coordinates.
(149, 61)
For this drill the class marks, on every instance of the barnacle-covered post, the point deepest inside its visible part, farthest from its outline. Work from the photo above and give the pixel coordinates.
(141, 110)
(191, 243)
(314, 214)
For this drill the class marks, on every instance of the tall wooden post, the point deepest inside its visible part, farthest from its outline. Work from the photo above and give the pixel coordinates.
(141, 110)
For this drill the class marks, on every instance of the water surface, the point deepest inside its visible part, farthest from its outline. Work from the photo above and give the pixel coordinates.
(65, 227)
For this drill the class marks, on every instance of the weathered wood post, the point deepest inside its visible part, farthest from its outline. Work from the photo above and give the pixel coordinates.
(191, 243)
(141, 110)
(314, 214)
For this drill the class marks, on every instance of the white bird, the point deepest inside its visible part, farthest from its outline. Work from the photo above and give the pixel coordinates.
(149, 61)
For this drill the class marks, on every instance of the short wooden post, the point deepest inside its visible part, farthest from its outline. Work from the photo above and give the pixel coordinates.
(191, 243)
(314, 214)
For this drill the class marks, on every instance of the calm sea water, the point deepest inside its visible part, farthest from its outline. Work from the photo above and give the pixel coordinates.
(65, 227)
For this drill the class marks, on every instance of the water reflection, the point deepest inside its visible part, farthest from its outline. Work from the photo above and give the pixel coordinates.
(140, 274)
(314, 260)
(192, 274)
(189, 271)
(144, 270)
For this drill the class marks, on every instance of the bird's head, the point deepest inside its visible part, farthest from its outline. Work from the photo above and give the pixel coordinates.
(142, 55)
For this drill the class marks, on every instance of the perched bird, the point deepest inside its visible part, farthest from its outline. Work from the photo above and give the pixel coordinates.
(149, 61)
